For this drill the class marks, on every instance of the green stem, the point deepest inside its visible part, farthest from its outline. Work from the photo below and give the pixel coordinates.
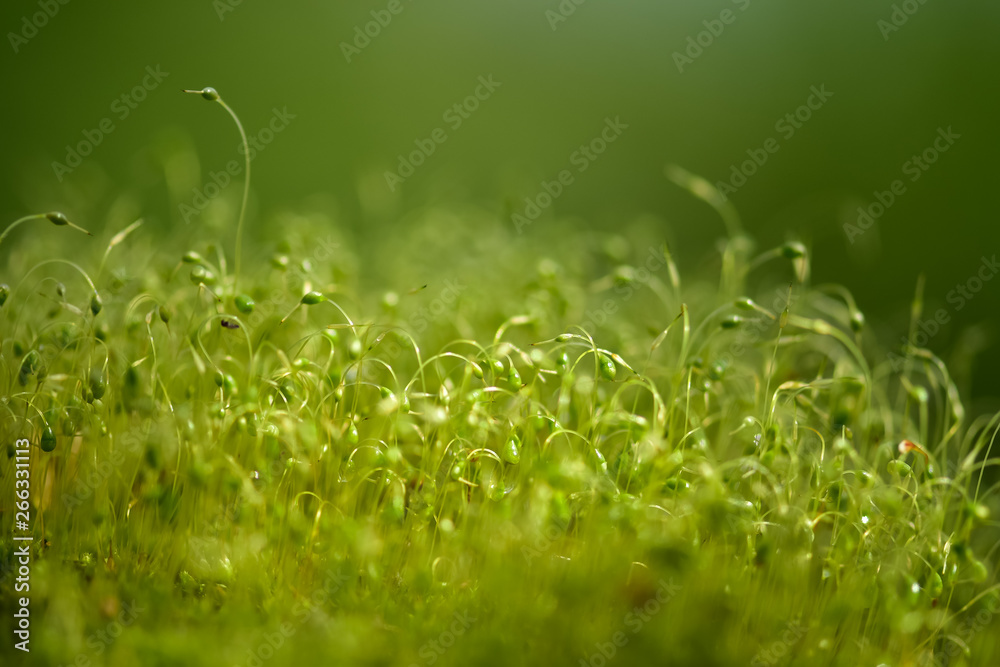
(246, 194)
(212, 95)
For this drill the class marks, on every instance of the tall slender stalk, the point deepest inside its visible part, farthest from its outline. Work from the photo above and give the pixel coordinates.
(213, 96)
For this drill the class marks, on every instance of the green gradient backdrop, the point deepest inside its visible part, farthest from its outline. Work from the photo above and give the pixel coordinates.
(610, 58)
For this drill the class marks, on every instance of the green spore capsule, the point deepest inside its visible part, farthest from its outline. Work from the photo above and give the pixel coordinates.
(511, 452)
(793, 250)
(624, 276)
(200, 473)
(676, 484)
(4, 293)
(95, 304)
(68, 425)
(244, 304)
(199, 275)
(477, 370)
(842, 446)
(497, 366)
(513, 377)
(191, 257)
(857, 321)
(978, 571)
(352, 434)
(495, 492)
(731, 322)
(976, 511)
(607, 367)
(58, 219)
(97, 385)
(717, 370)
(164, 313)
(745, 303)
(48, 442)
(209, 93)
(562, 362)
(899, 468)
(312, 298)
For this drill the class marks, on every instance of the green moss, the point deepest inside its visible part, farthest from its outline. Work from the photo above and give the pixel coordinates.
(371, 493)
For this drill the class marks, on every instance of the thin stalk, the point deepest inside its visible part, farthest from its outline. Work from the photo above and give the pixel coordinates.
(213, 96)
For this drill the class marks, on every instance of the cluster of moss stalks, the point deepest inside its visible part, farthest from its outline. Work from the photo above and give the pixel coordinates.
(725, 471)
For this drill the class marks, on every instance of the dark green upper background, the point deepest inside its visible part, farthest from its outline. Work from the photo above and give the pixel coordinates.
(610, 58)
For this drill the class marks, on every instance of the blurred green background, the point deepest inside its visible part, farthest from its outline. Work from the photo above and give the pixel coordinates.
(559, 80)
